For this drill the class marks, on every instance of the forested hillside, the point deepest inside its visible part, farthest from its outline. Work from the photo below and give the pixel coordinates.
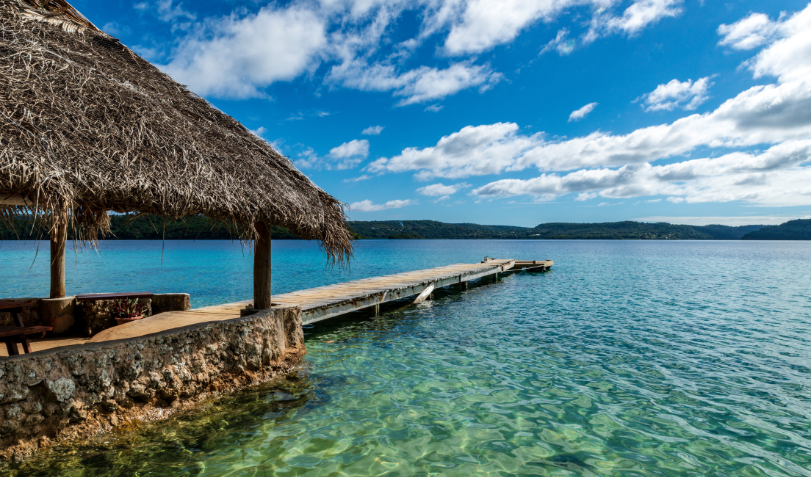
(791, 230)
(145, 227)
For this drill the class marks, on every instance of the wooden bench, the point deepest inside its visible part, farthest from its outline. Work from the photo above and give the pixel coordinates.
(113, 296)
(19, 334)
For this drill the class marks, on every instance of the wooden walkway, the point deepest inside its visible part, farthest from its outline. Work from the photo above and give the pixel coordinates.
(327, 302)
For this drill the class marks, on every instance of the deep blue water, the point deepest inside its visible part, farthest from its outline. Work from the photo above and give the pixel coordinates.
(629, 358)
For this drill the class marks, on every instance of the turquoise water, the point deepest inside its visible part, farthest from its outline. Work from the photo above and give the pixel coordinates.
(629, 358)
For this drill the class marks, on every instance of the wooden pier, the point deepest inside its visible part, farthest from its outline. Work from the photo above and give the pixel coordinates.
(330, 301)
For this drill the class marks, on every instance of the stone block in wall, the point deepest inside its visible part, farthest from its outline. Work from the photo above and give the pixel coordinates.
(163, 302)
(73, 391)
(95, 316)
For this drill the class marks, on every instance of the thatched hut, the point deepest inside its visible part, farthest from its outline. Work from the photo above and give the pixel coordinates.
(89, 127)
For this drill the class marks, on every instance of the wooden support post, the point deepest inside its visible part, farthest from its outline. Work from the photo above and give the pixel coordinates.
(59, 237)
(261, 267)
(377, 309)
(424, 295)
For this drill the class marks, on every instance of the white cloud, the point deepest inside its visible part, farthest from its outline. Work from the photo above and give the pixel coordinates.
(561, 43)
(434, 108)
(113, 29)
(351, 149)
(777, 116)
(676, 94)
(259, 132)
(750, 32)
(237, 56)
(581, 113)
(345, 156)
(761, 115)
(478, 25)
(789, 58)
(731, 221)
(359, 178)
(166, 11)
(418, 85)
(774, 177)
(240, 55)
(634, 19)
(369, 206)
(436, 190)
(372, 131)
(473, 151)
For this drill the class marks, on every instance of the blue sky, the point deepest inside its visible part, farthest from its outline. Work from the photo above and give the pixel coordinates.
(509, 112)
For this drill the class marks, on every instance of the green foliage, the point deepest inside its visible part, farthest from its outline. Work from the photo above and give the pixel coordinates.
(612, 230)
(725, 232)
(791, 230)
(431, 229)
(147, 227)
(405, 236)
(128, 308)
(618, 231)
(201, 228)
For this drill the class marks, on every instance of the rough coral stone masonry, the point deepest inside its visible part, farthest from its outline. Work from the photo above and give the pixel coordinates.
(80, 391)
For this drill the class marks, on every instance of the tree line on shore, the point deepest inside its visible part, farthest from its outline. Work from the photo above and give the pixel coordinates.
(146, 227)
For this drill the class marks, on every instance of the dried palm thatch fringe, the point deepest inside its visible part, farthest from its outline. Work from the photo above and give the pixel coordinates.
(88, 126)
(56, 12)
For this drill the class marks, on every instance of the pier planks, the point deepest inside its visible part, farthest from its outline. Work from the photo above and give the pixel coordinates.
(329, 301)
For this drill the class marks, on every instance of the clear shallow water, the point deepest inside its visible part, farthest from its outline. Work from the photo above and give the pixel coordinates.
(627, 359)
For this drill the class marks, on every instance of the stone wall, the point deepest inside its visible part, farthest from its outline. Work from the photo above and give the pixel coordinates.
(79, 391)
(98, 315)
(66, 315)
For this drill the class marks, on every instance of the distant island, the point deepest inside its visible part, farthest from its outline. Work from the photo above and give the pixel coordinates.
(201, 228)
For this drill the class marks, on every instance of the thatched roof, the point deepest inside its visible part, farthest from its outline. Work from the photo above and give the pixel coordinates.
(89, 126)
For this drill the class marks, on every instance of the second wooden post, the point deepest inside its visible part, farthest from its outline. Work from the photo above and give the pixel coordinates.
(261, 267)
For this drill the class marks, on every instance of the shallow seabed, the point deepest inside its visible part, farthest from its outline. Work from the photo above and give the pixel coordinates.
(627, 359)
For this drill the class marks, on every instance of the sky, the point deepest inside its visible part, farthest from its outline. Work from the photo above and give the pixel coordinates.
(512, 112)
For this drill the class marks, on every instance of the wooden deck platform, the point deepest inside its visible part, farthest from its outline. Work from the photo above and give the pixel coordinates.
(327, 302)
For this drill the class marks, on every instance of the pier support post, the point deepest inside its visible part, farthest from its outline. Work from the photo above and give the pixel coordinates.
(59, 237)
(261, 267)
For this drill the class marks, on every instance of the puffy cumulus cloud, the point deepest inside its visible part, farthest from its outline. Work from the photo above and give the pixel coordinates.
(581, 113)
(479, 25)
(788, 58)
(237, 56)
(351, 149)
(345, 156)
(369, 206)
(761, 115)
(439, 189)
(473, 151)
(482, 24)
(418, 85)
(774, 177)
(676, 94)
(372, 131)
(240, 55)
(750, 32)
(601, 164)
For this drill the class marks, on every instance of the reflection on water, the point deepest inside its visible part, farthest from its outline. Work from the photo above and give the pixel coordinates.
(628, 359)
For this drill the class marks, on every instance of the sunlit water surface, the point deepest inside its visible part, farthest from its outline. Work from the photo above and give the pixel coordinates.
(627, 359)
